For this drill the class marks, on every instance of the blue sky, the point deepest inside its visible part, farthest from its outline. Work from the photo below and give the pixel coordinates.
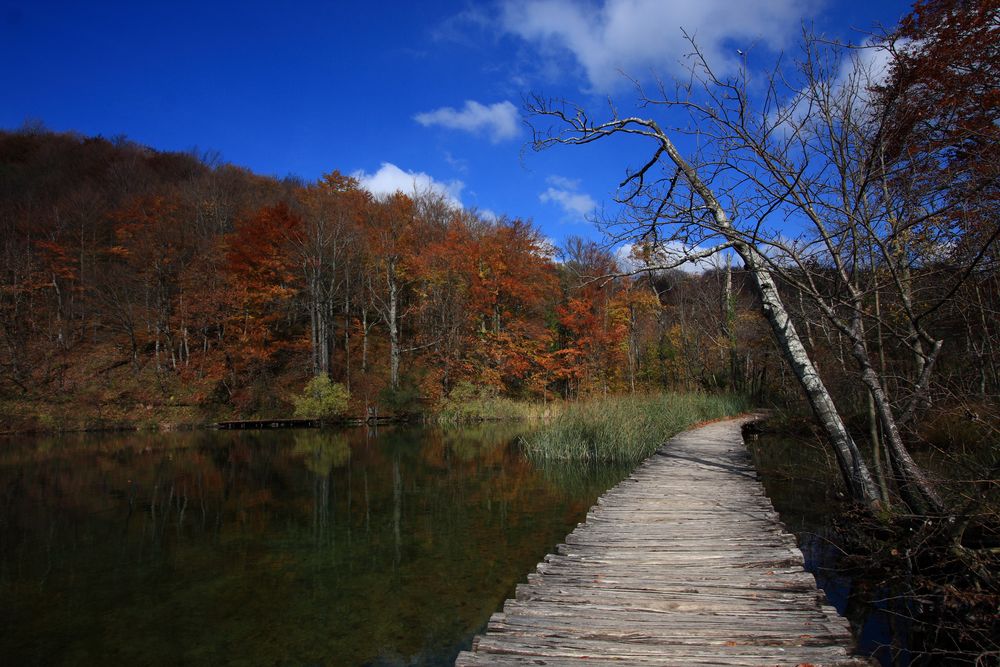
(389, 91)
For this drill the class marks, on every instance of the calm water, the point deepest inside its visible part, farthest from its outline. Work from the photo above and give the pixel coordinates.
(801, 481)
(270, 548)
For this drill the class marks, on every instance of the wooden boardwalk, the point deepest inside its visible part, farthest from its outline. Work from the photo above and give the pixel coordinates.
(683, 563)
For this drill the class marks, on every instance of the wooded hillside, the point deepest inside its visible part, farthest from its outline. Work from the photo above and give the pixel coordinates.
(153, 287)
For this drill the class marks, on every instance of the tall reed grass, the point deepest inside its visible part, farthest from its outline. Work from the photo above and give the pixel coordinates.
(625, 429)
(469, 404)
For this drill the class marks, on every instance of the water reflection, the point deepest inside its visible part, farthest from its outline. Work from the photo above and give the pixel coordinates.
(286, 547)
(802, 483)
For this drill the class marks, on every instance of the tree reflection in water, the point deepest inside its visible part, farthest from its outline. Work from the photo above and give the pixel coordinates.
(318, 547)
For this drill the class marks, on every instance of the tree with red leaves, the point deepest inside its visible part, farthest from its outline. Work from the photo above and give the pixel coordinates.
(261, 267)
(941, 111)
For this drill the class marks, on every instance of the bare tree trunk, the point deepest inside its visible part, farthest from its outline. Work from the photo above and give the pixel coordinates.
(852, 466)
(729, 326)
(314, 337)
(393, 325)
(364, 341)
(876, 440)
(633, 347)
(324, 341)
(347, 331)
(915, 488)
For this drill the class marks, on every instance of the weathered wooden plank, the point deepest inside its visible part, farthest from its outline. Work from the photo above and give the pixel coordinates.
(683, 563)
(728, 593)
(504, 660)
(584, 651)
(655, 602)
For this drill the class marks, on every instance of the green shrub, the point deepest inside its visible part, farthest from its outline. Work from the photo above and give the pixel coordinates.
(322, 399)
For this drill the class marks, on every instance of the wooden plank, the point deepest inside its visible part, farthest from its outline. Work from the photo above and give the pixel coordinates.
(683, 563)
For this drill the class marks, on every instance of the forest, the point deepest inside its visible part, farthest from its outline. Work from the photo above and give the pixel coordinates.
(150, 287)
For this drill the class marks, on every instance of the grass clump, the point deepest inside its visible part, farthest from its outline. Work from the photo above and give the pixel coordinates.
(468, 403)
(625, 429)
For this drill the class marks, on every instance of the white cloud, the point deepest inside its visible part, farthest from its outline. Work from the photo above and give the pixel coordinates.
(635, 36)
(862, 69)
(390, 179)
(499, 121)
(564, 192)
(669, 253)
(551, 249)
(458, 164)
(576, 203)
(467, 28)
(488, 214)
(848, 88)
(563, 183)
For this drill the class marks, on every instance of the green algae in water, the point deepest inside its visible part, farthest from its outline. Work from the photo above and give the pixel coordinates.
(283, 547)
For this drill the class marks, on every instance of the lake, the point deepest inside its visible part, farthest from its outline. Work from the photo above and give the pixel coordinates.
(297, 547)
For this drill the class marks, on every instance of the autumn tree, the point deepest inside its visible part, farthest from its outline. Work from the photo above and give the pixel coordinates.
(510, 283)
(941, 104)
(446, 275)
(226, 289)
(595, 333)
(20, 282)
(263, 278)
(326, 244)
(391, 226)
(152, 242)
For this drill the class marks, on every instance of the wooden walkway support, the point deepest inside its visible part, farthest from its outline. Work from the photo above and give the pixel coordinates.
(683, 563)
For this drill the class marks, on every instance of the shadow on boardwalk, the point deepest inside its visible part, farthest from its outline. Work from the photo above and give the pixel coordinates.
(683, 563)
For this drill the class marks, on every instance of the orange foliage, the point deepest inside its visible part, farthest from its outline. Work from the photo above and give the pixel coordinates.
(261, 281)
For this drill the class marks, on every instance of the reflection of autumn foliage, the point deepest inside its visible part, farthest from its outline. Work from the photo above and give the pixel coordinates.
(322, 451)
(311, 544)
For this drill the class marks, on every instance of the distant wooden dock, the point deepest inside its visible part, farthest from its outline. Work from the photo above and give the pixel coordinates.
(248, 424)
(241, 424)
(683, 563)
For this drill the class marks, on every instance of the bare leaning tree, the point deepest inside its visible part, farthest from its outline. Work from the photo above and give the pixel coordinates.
(790, 174)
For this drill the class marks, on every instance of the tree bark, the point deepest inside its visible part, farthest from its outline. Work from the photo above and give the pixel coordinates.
(392, 313)
(914, 486)
(856, 474)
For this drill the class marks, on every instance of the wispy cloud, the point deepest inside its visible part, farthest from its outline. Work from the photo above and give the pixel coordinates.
(390, 179)
(563, 183)
(498, 121)
(468, 27)
(847, 91)
(669, 254)
(636, 36)
(565, 193)
(460, 165)
(488, 214)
